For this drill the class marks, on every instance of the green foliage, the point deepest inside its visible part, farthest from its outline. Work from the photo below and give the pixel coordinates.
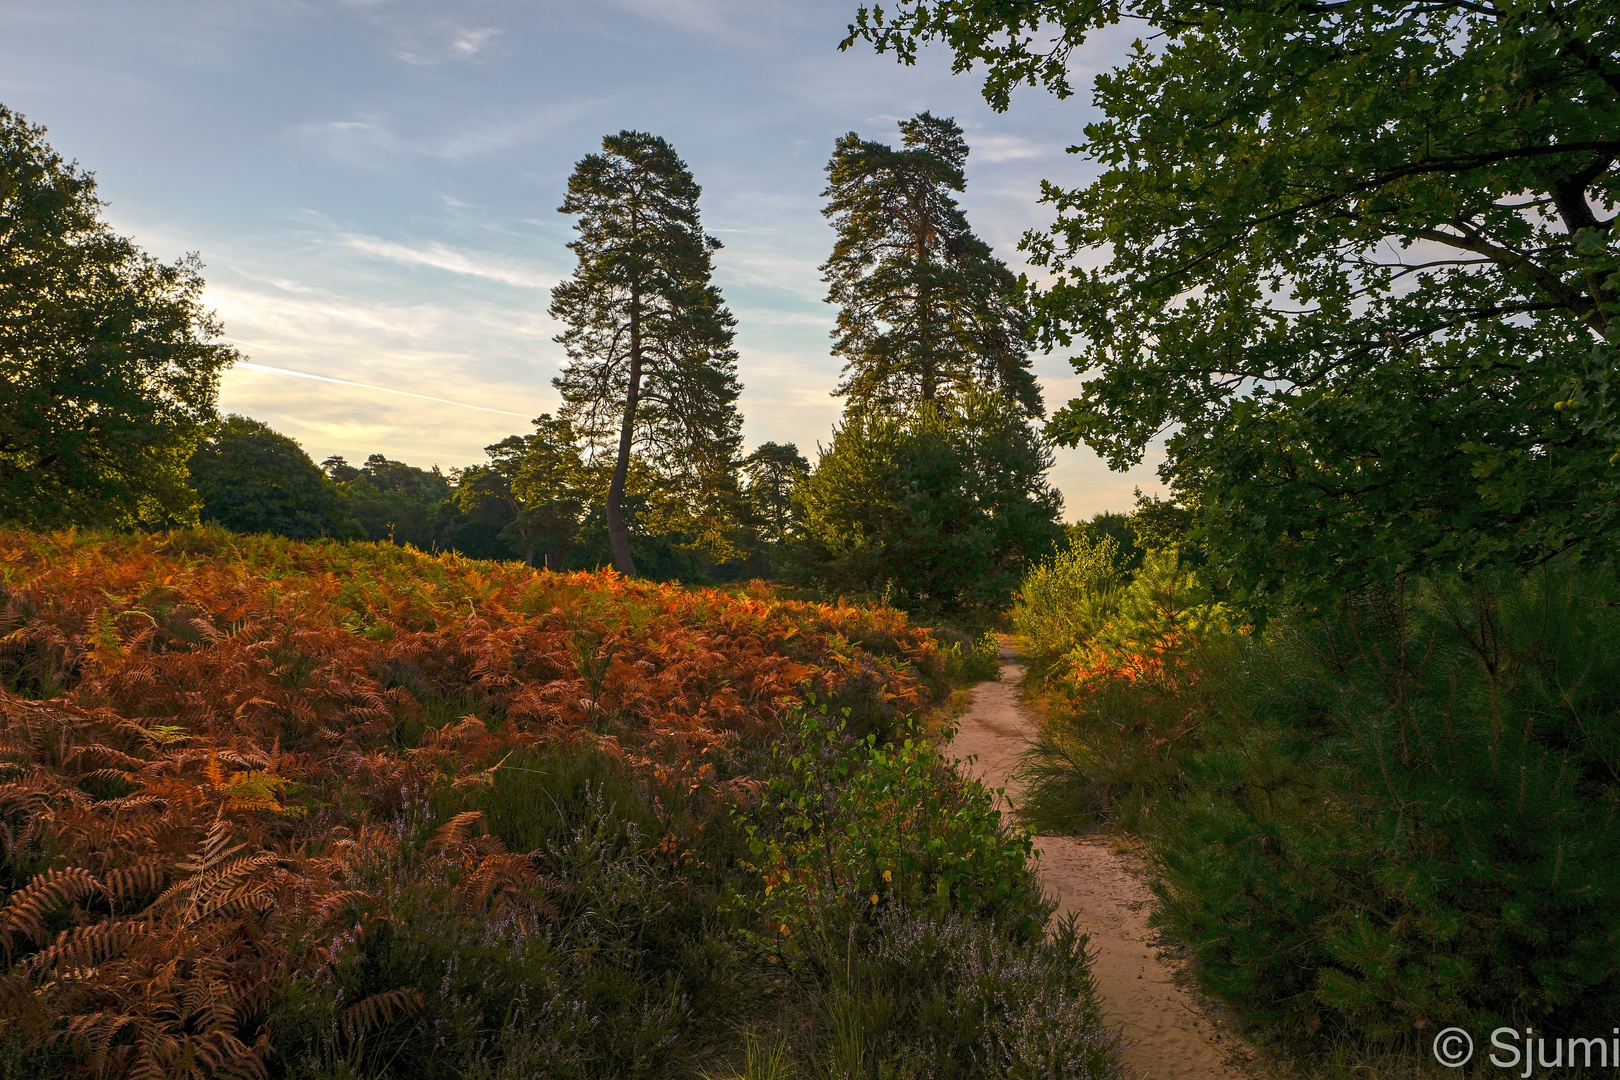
(1068, 598)
(971, 660)
(1411, 822)
(1351, 257)
(254, 480)
(109, 363)
(897, 892)
(540, 478)
(394, 501)
(1132, 687)
(962, 998)
(651, 371)
(542, 795)
(925, 310)
(773, 471)
(1122, 529)
(606, 967)
(853, 827)
(1374, 824)
(943, 510)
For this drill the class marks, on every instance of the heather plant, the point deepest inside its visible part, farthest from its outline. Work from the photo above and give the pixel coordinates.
(954, 997)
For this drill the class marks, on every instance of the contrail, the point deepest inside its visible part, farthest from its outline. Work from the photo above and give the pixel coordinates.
(368, 386)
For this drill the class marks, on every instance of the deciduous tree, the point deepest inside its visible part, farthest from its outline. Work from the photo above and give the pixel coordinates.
(109, 363)
(253, 479)
(1358, 261)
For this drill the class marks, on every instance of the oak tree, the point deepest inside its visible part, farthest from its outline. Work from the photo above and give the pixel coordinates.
(1357, 262)
(109, 363)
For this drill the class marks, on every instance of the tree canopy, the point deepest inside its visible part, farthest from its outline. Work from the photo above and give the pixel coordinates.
(943, 509)
(924, 309)
(538, 477)
(255, 480)
(1360, 267)
(109, 363)
(651, 370)
(392, 500)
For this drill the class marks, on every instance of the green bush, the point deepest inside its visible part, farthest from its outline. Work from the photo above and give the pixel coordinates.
(1415, 823)
(941, 511)
(610, 965)
(1068, 598)
(896, 894)
(1372, 824)
(1125, 699)
(846, 828)
(970, 660)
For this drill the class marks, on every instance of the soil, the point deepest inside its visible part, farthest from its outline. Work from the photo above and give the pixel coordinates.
(1169, 1031)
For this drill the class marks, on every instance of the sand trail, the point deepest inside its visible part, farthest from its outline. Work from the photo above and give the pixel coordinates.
(1168, 1036)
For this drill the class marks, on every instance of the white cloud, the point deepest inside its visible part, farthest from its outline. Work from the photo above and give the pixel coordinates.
(440, 257)
(467, 42)
(998, 148)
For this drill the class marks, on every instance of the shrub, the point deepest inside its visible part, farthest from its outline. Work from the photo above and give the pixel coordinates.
(954, 998)
(1374, 823)
(1124, 699)
(1410, 822)
(1067, 599)
(970, 660)
(894, 891)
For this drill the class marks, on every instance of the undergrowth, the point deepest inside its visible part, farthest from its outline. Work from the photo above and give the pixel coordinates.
(1367, 825)
(338, 811)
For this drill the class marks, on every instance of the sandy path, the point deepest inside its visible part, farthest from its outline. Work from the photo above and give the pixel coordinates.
(1167, 1035)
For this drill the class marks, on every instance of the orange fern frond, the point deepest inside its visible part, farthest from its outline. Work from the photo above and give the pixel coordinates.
(377, 1010)
(459, 829)
(26, 910)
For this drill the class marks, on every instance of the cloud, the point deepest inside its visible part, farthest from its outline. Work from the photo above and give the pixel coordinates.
(360, 140)
(250, 366)
(440, 257)
(468, 42)
(997, 148)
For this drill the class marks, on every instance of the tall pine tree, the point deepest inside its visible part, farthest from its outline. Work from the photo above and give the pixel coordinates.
(651, 370)
(925, 309)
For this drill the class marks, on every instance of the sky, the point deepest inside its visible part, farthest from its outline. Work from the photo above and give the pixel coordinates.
(373, 188)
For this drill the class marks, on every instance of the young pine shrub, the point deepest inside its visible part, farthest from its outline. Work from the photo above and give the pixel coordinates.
(1407, 820)
(1123, 701)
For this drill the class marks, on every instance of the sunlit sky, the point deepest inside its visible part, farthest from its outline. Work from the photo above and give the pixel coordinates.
(372, 185)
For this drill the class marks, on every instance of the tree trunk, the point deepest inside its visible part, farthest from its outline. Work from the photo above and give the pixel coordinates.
(618, 536)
